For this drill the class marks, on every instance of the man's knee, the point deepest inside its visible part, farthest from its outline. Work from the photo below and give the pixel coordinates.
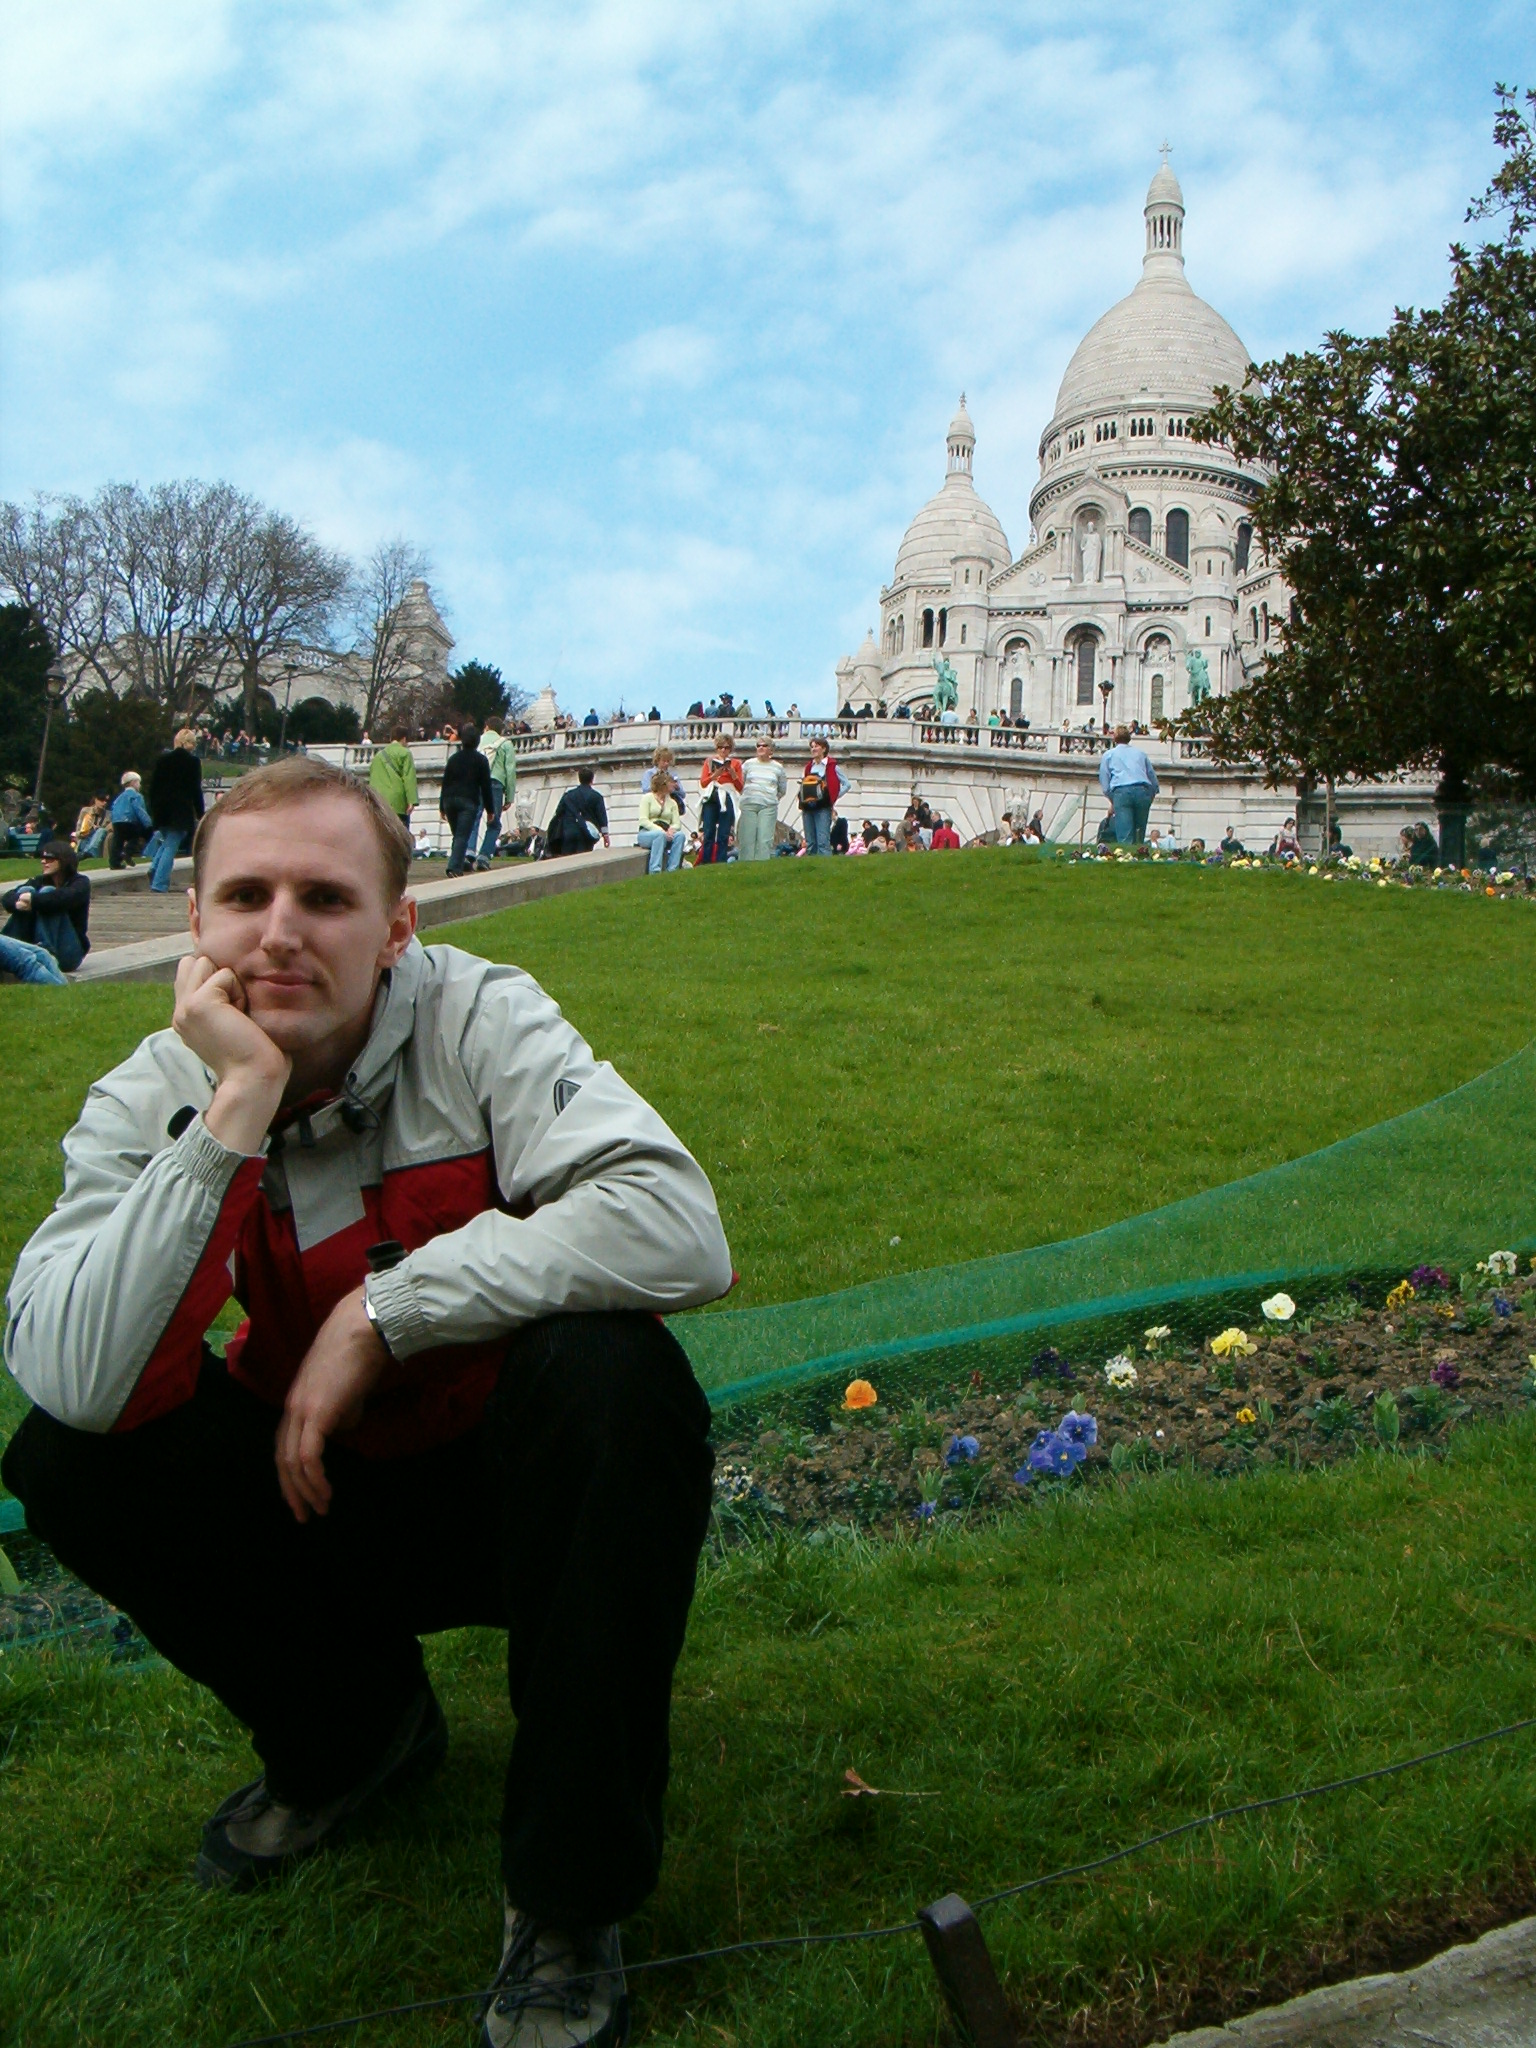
(620, 1371)
(55, 1472)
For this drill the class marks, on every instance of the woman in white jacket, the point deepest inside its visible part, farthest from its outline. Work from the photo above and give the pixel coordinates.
(763, 785)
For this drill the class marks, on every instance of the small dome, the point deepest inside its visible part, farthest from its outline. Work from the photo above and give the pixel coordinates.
(955, 521)
(960, 428)
(1164, 189)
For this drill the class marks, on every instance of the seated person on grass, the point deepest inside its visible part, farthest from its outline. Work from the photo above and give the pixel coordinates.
(48, 926)
(453, 1231)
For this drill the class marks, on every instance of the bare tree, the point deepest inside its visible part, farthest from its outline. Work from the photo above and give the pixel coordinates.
(379, 595)
(170, 549)
(52, 561)
(281, 593)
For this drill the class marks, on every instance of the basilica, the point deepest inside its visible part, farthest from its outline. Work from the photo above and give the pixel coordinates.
(1142, 586)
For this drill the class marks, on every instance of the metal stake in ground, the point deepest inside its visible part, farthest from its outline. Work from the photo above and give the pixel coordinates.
(959, 1955)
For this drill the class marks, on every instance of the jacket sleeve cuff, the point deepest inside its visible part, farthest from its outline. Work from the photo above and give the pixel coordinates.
(201, 1157)
(392, 1297)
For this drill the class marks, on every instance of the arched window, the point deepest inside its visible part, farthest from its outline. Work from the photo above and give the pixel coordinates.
(943, 627)
(1178, 538)
(1016, 698)
(901, 631)
(1139, 525)
(1253, 621)
(1264, 620)
(1085, 659)
(927, 628)
(962, 635)
(1156, 697)
(1244, 543)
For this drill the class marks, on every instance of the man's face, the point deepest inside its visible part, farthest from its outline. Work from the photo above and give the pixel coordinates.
(293, 899)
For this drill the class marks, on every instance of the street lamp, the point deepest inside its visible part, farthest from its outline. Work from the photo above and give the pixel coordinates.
(289, 670)
(1104, 692)
(53, 683)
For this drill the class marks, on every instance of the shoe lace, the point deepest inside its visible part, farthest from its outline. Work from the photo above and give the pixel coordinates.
(517, 1990)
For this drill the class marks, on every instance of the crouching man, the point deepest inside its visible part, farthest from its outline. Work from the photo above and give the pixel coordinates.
(452, 1231)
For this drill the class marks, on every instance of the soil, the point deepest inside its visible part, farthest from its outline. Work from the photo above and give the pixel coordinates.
(1307, 1396)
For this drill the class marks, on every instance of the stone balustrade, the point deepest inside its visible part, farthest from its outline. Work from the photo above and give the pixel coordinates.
(970, 773)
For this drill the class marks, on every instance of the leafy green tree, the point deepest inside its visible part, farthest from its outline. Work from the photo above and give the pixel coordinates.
(1402, 512)
(24, 658)
(100, 737)
(478, 692)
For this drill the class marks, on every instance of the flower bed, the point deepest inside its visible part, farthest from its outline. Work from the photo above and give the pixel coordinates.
(1399, 1374)
(1385, 874)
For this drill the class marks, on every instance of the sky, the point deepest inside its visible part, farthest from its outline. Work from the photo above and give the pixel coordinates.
(645, 320)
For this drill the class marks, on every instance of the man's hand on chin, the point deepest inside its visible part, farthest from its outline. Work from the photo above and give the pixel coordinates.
(212, 1018)
(329, 1392)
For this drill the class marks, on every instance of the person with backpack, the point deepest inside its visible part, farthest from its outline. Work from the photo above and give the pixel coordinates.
(820, 787)
(501, 759)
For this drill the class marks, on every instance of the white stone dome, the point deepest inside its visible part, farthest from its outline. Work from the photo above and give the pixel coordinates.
(955, 521)
(1161, 343)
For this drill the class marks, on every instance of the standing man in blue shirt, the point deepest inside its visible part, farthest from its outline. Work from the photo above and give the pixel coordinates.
(1129, 780)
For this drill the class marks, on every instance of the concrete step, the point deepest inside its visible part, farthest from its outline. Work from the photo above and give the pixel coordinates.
(1481, 1995)
(142, 938)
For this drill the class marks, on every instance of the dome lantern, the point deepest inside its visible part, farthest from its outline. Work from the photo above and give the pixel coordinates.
(1165, 221)
(961, 440)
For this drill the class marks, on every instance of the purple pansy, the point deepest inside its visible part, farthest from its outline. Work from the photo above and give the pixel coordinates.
(1078, 1429)
(1425, 1277)
(1501, 1307)
(1446, 1373)
(965, 1450)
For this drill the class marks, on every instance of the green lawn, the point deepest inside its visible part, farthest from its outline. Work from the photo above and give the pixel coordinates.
(971, 1056)
(1062, 1684)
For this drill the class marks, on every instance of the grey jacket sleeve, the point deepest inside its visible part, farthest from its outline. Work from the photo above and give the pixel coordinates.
(612, 1211)
(136, 1236)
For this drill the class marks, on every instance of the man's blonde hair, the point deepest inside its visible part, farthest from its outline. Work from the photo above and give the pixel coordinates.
(293, 781)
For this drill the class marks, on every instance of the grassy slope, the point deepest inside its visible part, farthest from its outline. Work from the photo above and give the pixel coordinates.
(970, 1055)
(997, 1054)
(1065, 1683)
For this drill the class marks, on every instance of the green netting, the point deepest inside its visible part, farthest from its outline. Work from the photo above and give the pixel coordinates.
(1445, 1183)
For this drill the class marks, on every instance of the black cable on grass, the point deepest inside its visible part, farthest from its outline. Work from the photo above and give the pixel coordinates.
(1013, 1891)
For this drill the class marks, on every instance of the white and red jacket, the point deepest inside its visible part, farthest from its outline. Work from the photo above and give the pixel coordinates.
(521, 1174)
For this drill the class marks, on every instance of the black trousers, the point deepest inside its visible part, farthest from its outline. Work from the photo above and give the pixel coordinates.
(572, 1516)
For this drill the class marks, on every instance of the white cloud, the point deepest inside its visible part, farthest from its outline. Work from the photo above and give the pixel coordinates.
(646, 321)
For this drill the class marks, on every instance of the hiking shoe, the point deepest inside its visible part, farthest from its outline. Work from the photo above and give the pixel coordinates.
(255, 1835)
(556, 1990)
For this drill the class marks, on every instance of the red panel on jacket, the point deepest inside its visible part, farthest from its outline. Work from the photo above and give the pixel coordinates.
(426, 1400)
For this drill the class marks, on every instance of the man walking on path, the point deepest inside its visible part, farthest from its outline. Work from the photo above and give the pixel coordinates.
(465, 793)
(392, 775)
(131, 822)
(1129, 780)
(501, 759)
(453, 1402)
(175, 804)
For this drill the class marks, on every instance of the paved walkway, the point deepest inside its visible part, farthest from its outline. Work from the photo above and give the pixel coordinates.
(1482, 1995)
(136, 936)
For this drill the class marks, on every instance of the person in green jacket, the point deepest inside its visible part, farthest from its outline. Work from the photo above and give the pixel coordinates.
(501, 759)
(392, 775)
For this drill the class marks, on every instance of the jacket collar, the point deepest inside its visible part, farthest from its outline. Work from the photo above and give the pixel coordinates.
(394, 1019)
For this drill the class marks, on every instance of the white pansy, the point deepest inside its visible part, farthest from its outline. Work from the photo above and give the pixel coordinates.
(1279, 1308)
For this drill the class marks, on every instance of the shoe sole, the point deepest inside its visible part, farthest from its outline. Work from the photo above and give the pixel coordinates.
(420, 1760)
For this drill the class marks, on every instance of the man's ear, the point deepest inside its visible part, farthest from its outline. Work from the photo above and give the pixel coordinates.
(402, 929)
(194, 922)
